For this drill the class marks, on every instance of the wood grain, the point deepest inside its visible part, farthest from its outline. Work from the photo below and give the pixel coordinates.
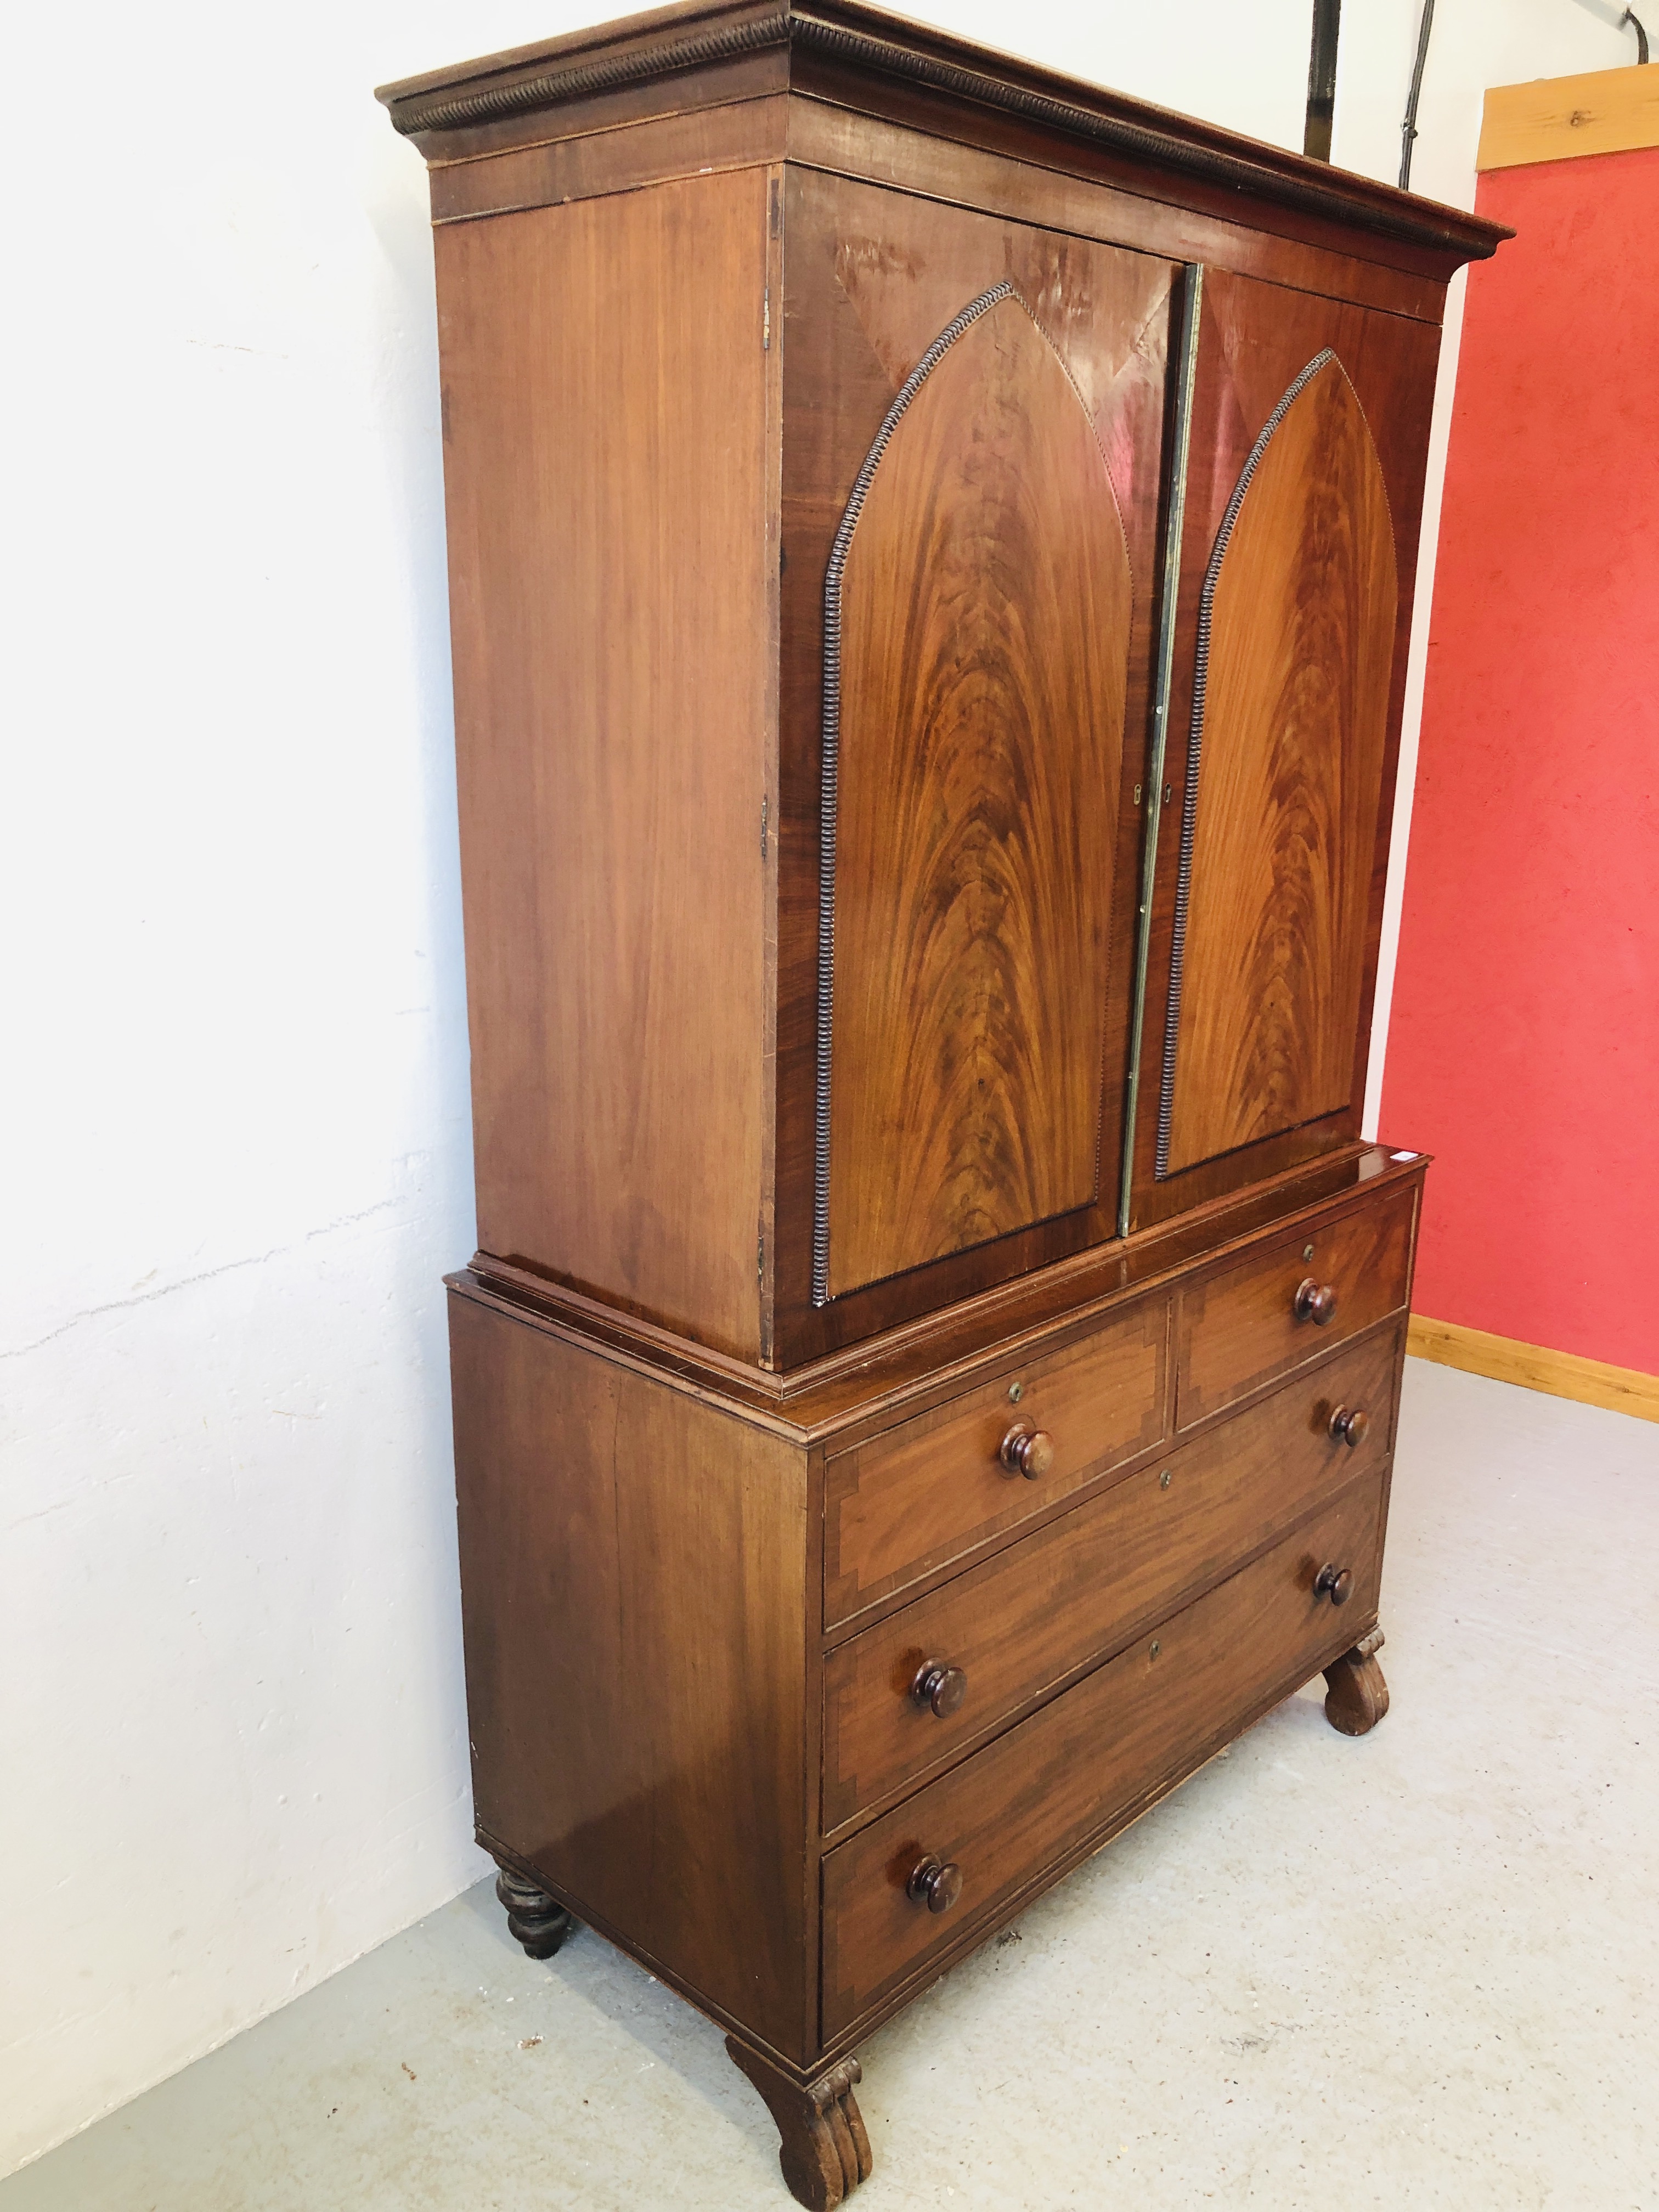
(743, 134)
(1141, 1720)
(1091, 1580)
(1255, 339)
(722, 127)
(824, 2146)
(1292, 732)
(863, 57)
(610, 594)
(1535, 1367)
(871, 279)
(984, 648)
(1088, 196)
(1238, 1327)
(634, 1613)
(926, 1360)
(1559, 118)
(1357, 1695)
(932, 1489)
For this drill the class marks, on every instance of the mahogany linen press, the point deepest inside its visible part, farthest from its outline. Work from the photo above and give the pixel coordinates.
(930, 557)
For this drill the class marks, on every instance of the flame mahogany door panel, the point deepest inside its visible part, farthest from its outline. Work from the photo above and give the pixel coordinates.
(1285, 774)
(983, 625)
(971, 514)
(1309, 430)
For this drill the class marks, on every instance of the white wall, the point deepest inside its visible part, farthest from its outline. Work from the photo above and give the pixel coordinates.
(232, 1741)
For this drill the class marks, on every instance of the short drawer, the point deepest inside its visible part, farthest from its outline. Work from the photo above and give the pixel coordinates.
(1003, 1633)
(1085, 1765)
(1254, 1319)
(928, 1491)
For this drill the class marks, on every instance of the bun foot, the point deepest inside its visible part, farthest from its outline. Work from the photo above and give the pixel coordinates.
(823, 2149)
(532, 1916)
(1356, 1696)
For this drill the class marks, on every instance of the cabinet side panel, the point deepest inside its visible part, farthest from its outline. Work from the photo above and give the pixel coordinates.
(605, 468)
(632, 1570)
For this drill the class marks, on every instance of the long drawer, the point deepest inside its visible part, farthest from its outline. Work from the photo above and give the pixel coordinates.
(1083, 1764)
(929, 1490)
(1237, 1329)
(1091, 1580)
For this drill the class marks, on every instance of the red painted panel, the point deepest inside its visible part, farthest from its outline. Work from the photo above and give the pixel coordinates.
(1523, 1049)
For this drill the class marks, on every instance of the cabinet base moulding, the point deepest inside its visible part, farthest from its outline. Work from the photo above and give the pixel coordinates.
(1535, 1367)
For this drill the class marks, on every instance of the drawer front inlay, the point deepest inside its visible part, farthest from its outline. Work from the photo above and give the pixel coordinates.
(921, 1495)
(1283, 1305)
(1082, 1764)
(915, 1691)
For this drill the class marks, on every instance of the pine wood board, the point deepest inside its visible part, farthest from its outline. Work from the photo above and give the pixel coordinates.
(1535, 1367)
(1559, 118)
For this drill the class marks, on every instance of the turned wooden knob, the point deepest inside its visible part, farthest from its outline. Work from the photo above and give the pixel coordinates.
(940, 1689)
(1335, 1584)
(1315, 1301)
(1029, 1452)
(936, 1884)
(1351, 1425)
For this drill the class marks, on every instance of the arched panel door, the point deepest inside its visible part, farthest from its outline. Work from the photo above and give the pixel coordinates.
(977, 628)
(1284, 778)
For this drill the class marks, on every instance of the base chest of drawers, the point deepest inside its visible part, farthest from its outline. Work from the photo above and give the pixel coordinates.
(799, 1702)
(930, 556)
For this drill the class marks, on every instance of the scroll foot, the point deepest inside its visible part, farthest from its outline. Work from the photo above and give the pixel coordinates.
(823, 2149)
(1356, 1696)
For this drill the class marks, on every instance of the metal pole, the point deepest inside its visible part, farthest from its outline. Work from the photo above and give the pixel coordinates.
(1322, 79)
(1408, 129)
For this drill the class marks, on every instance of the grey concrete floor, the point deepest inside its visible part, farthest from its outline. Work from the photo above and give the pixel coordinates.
(1414, 1970)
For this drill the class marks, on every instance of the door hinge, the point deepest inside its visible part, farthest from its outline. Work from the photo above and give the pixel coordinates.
(764, 802)
(766, 319)
(760, 1258)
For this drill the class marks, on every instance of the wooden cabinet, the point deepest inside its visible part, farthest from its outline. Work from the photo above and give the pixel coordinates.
(1041, 1610)
(931, 551)
(1085, 1765)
